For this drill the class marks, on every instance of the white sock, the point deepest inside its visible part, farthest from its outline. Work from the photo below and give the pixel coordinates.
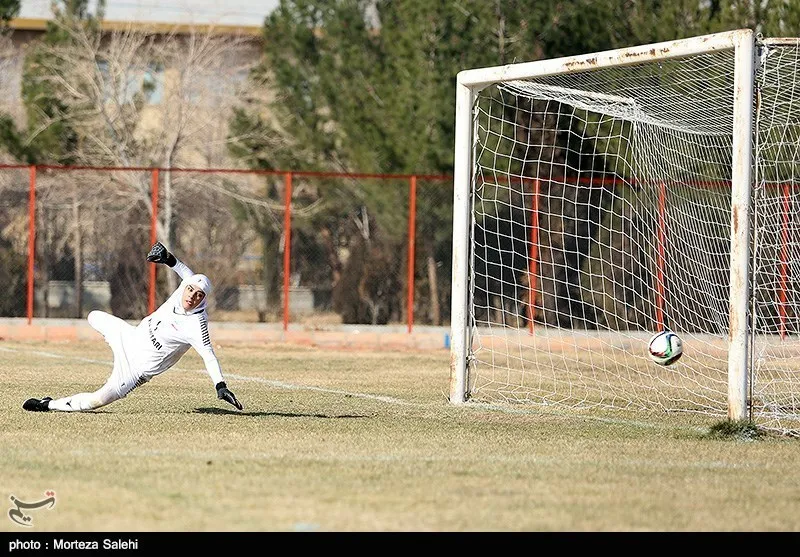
(76, 403)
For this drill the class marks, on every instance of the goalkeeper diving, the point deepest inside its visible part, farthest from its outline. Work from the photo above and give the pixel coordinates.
(154, 346)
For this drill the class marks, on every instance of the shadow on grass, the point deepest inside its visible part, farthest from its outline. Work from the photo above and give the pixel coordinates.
(222, 411)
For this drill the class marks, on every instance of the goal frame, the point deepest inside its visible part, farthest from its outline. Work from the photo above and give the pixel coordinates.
(470, 82)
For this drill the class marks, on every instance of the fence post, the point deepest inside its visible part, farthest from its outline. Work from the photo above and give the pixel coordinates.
(661, 241)
(287, 248)
(534, 255)
(151, 298)
(412, 220)
(783, 281)
(31, 238)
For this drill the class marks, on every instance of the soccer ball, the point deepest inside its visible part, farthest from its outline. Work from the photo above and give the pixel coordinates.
(665, 348)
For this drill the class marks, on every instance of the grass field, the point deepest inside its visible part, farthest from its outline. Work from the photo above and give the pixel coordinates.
(362, 441)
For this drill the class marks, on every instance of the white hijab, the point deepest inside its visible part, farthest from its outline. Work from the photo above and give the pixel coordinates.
(198, 281)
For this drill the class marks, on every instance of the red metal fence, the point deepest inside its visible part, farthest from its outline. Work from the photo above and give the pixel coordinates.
(285, 246)
(279, 245)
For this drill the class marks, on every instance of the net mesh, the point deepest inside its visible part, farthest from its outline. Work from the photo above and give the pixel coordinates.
(775, 348)
(601, 214)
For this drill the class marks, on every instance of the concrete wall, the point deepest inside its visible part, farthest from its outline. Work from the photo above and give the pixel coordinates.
(61, 300)
(97, 295)
(251, 296)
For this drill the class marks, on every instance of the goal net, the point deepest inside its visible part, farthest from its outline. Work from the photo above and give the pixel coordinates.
(602, 198)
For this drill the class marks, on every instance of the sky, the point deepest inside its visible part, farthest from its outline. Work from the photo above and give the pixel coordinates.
(227, 12)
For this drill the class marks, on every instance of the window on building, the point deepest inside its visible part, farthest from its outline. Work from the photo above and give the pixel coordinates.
(148, 82)
(153, 83)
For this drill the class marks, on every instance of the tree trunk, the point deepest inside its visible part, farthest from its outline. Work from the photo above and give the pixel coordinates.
(433, 283)
(78, 252)
(172, 279)
(44, 261)
(269, 273)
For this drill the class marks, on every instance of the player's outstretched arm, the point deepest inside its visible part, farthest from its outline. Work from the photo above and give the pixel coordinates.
(224, 394)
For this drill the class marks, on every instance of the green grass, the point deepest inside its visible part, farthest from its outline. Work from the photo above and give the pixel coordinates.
(361, 441)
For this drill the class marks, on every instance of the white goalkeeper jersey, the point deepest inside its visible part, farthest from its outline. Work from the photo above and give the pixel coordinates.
(164, 336)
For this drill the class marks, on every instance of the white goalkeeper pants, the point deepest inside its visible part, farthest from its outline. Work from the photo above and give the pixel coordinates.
(122, 381)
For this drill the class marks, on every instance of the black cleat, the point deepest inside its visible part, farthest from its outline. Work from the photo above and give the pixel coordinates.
(36, 405)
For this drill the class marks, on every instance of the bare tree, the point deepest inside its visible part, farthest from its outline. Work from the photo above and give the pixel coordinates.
(144, 99)
(10, 62)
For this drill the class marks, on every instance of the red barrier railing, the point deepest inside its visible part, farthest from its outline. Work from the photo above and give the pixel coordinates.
(659, 276)
(784, 258)
(287, 251)
(151, 297)
(287, 222)
(412, 215)
(534, 256)
(412, 223)
(31, 240)
(661, 245)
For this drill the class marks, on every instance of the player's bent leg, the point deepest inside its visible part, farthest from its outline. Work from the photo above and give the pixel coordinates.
(82, 402)
(106, 324)
(119, 384)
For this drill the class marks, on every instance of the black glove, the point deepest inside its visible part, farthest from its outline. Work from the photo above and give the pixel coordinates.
(224, 394)
(159, 254)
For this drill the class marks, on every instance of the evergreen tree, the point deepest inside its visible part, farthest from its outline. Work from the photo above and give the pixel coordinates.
(369, 86)
(8, 11)
(48, 136)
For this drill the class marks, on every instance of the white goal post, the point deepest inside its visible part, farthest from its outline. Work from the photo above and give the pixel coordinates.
(604, 197)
